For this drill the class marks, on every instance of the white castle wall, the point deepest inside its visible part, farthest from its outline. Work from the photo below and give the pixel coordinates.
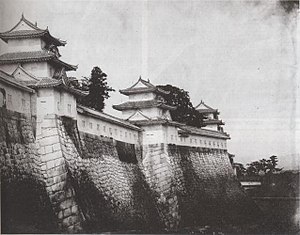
(96, 126)
(149, 112)
(51, 101)
(19, 100)
(194, 140)
(144, 96)
(38, 69)
(25, 44)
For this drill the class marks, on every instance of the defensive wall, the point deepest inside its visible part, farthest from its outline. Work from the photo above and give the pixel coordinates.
(78, 180)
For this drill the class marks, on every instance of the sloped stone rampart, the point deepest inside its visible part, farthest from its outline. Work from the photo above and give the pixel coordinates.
(195, 186)
(25, 205)
(57, 180)
(87, 183)
(112, 193)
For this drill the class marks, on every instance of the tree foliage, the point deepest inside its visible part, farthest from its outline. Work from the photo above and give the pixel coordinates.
(260, 167)
(98, 89)
(185, 112)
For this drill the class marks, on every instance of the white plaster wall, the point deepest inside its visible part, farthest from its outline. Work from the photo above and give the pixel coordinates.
(194, 140)
(18, 100)
(100, 127)
(65, 104)
(51, 101)
(154, 134)
(46, 102)
(149, 112)
(8, 68)
(25, 44)
(39, 69)
(144, 96)
(211, 127)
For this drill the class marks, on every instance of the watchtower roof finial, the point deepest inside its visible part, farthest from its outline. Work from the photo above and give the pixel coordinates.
(22, 17)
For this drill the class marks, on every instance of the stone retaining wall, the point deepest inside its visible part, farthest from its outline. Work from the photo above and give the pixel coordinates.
(91, 184)
(55, 170)
(25, 205)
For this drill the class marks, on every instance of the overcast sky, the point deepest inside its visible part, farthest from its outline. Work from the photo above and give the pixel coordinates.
(237, 56)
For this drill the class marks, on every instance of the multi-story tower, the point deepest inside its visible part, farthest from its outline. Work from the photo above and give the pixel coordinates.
(145, 102)
(147, 109)
(211, 117)
(33, 58)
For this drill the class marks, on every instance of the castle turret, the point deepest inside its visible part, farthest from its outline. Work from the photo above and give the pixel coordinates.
(32, 58)
(145, 102)
(211, 117)
(35, 49)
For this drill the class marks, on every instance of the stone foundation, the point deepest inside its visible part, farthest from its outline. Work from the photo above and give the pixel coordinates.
(92, 184)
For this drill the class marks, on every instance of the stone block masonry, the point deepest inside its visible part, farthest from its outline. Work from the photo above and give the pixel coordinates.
(25, 205)
(55, 171)
(111, 192)
(91, 184)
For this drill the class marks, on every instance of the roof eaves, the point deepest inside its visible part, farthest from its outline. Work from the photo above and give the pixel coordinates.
(8, 79)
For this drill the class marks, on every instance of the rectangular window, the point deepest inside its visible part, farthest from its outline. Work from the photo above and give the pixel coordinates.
(83, 123)
(98, 127)
(116, 132)
(104, 128)
(191, 140)
(121, 134)
(110, 131)
(91, 125)
(134, 136)
(23, 103)
(129, 135)
(69, 108)
(125, 134)
(58, 106)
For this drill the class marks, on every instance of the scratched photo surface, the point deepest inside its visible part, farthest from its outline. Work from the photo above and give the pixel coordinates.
(169, 116)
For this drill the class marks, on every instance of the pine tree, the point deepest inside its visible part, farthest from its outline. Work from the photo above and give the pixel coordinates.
(98, 90)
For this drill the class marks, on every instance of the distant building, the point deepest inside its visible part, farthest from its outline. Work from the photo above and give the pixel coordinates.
(211, 117)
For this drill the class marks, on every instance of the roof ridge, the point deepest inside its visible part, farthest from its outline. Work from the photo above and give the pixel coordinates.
(202, 102)
(25, 21)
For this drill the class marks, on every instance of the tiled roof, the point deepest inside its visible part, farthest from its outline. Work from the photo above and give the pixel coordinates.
(156, 122)
(213, 121)
(142, 104)
(34, 32)
(8, 79)
(106, 117)
(59, 83)
(148, 88)
(33, 56)
(46, 82)
(210, 133)
(206, 109)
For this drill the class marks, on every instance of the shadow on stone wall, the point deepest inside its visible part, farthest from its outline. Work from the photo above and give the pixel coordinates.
(25, 206)
(110, 187)
(208, 193)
